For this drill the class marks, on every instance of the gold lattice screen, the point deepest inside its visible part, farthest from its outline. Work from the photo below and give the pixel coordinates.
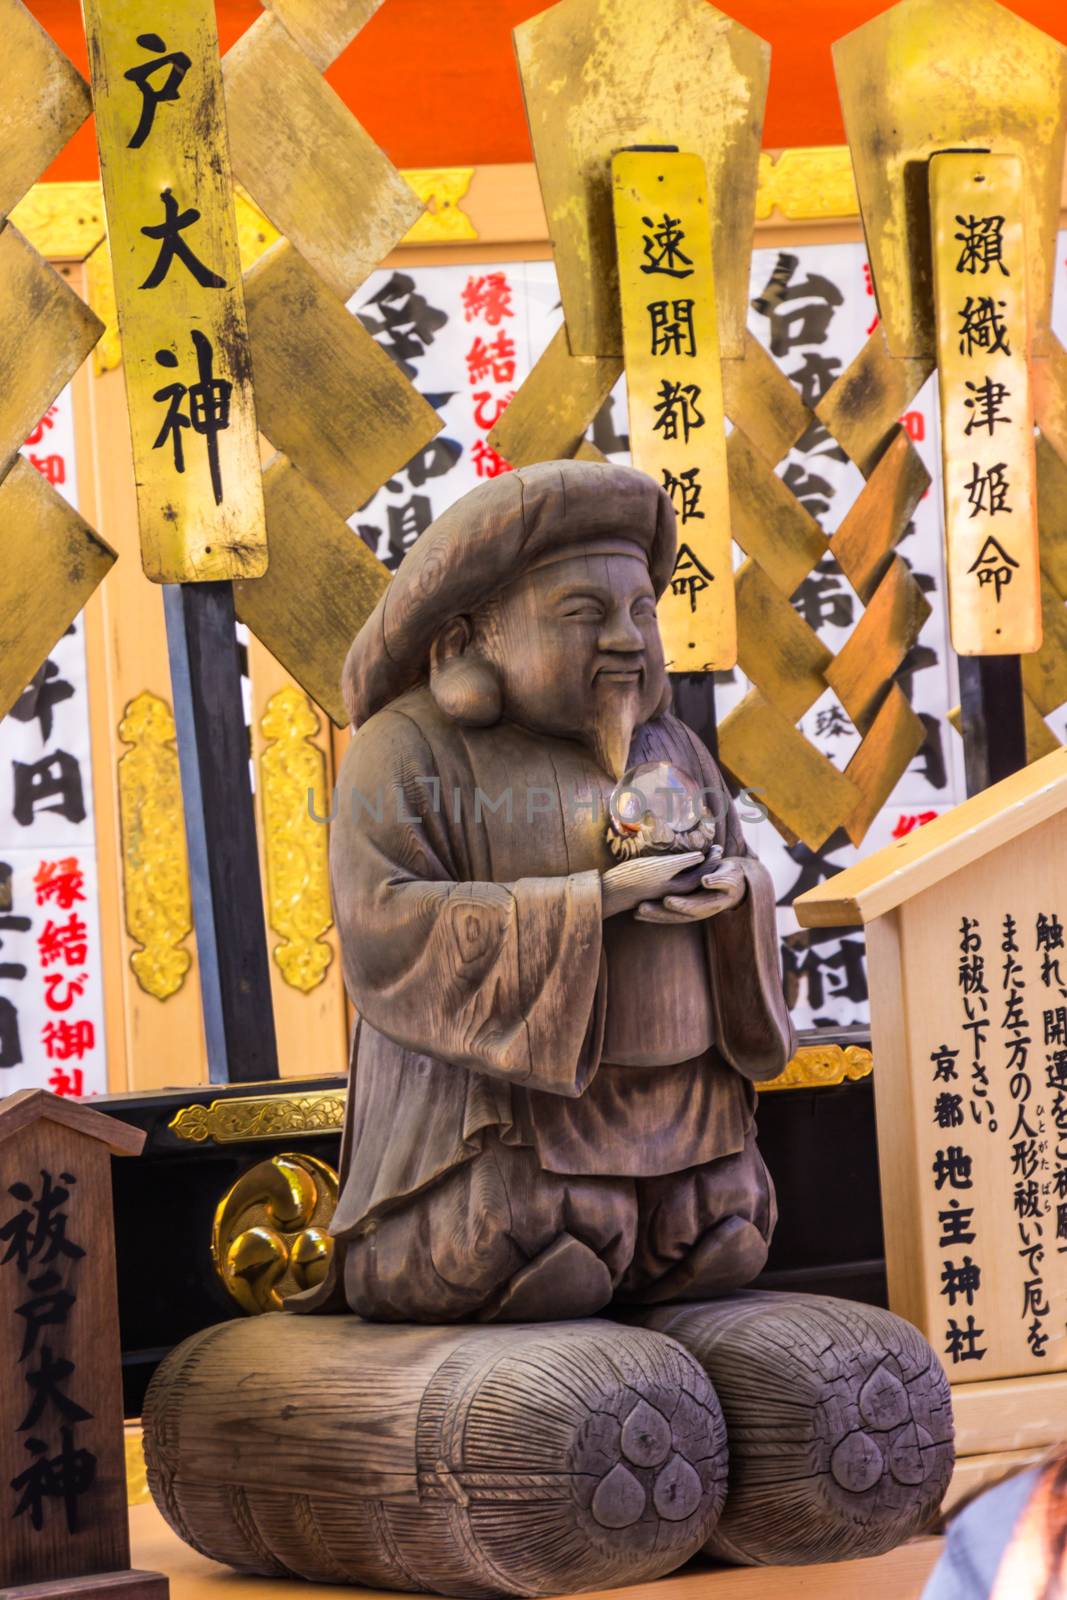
(595, 82)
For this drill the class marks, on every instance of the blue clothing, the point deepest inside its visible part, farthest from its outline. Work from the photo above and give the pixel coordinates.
(977, 1539)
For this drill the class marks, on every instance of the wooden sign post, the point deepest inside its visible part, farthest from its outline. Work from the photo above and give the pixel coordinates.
(674, 383)
(983, 333)
(62, 1455)
(966, 922)
(164, 160)
(987, 411)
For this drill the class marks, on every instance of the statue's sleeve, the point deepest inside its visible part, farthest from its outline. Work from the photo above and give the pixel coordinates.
(500, 978)
(753, 1029)
(752, 1019)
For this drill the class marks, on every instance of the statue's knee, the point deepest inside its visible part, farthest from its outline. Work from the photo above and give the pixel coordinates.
(439, 1259)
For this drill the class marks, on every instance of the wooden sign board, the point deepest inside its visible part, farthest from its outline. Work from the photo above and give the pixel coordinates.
(62, 1453)
(164, 159)
(674, 385)
(987, 413)
(966, 923)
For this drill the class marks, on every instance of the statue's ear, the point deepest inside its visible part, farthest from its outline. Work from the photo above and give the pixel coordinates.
(464, 684)
(451, 642)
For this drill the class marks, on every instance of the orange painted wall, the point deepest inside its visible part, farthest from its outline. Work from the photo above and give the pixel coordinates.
(434, 80)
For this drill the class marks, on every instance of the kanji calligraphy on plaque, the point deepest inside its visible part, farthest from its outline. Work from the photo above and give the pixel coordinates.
(164, 158)
(674, 384)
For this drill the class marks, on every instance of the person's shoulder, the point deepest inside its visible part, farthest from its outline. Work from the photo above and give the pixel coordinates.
(977, 1539)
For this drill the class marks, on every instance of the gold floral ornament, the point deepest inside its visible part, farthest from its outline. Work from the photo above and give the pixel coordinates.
(807, 182)
(155, 870)
(269, 1116)
(822, 1066)
(270, 1239)
(293, 771)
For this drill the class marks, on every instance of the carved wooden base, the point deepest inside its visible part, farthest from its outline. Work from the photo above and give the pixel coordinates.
(839, 1420)
(471, 1461)
(899, 1574)
(103, 1586)
(550, 1458)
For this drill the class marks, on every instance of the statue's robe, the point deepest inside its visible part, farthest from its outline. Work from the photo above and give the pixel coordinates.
(491, 994)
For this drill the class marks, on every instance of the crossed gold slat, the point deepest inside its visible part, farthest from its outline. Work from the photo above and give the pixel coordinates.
(321, 381)
(50, 559)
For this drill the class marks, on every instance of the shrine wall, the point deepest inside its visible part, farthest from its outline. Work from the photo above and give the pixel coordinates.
(465, 309)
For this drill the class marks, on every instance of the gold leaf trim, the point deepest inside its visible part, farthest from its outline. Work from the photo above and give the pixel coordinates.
(444, 221)
(292, 771)
(155, 869)
(807, 183)
(272, 1116)
(65, 221)
(815, 1066)
(279, 1116)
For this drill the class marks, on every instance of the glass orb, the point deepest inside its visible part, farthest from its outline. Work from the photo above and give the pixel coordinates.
(659, 799)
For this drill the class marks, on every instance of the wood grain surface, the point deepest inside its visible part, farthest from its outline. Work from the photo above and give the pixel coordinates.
(306, 161)
(467, 1461)
(900, 1575)
(62, 1401)
(107, 1586)
(839, 1422)
(322, 381)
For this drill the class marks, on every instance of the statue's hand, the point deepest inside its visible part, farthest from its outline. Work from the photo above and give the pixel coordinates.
(721, 889)
(643, 879)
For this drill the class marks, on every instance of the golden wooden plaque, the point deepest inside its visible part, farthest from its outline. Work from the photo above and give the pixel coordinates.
(164, 158)
(673, 380)
(980, 260)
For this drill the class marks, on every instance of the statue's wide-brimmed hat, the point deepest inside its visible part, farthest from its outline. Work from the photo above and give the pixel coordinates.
(485, 541)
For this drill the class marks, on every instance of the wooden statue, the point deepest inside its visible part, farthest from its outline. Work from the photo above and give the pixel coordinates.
(552, 1102)
(563, 957)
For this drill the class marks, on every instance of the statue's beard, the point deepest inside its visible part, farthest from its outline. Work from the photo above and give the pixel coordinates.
(618, 709)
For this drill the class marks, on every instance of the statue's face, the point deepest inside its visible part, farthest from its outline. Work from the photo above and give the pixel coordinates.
(578, 651)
